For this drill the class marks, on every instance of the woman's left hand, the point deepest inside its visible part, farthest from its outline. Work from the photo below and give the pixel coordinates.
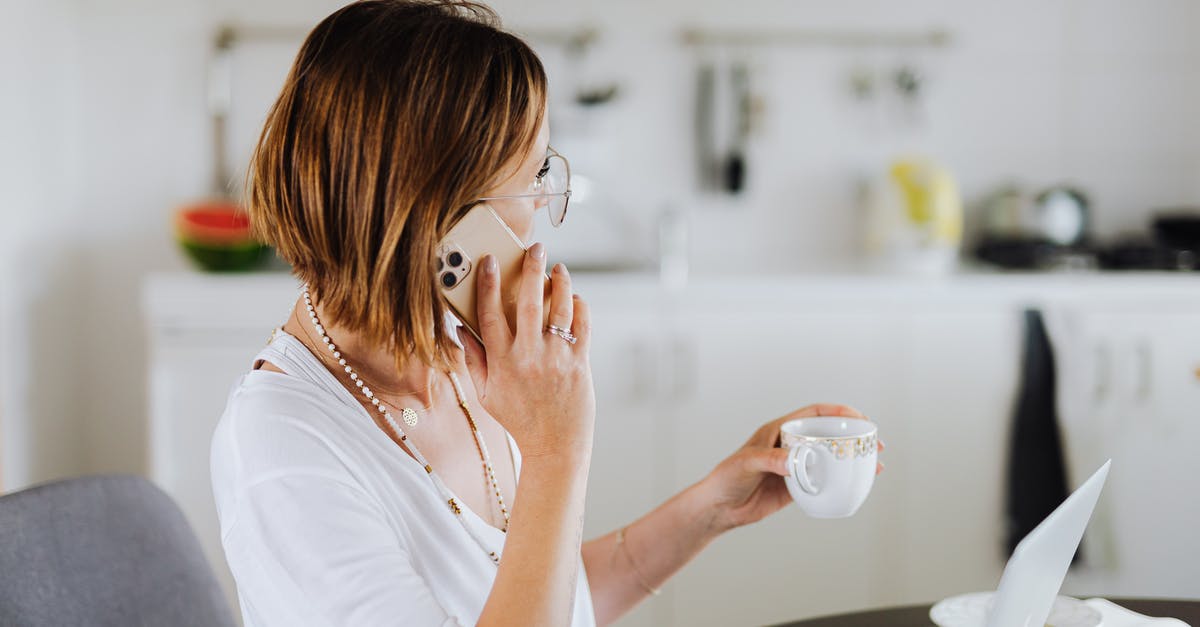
(748, 485)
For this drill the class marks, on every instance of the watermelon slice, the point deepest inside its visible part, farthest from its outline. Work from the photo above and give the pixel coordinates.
(216, 235)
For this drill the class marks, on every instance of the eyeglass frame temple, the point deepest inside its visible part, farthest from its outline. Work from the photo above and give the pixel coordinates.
(566, 193)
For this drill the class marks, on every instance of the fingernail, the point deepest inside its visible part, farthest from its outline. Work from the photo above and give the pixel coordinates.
(559, 268)
(538, 251)
(491, 266)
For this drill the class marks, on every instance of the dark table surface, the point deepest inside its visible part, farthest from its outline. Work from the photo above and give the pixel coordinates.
(918, 615)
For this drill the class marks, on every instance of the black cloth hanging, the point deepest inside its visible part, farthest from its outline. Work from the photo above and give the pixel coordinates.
(1037, 478)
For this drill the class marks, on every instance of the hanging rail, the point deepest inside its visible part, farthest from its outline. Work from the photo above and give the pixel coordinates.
(934, 38)
(576, 38)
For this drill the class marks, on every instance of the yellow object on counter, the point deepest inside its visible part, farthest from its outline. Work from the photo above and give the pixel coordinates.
(931, 198)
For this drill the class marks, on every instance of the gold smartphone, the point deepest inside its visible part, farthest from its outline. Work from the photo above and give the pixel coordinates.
(482, 232)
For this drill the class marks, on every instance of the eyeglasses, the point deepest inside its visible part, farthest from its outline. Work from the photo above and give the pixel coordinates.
(553, 182)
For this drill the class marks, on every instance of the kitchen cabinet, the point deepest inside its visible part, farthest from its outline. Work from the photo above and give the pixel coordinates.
(192, 374)
(628, 434)
(739, 365)
(683, 377)
(940, 383)
(948, 450)
(203, 332)
(624, 360)
(1136, 399)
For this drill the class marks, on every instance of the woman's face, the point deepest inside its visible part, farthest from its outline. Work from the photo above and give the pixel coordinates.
(518, 178)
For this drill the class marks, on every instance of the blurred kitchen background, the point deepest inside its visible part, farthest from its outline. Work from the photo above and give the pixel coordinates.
(776, 203)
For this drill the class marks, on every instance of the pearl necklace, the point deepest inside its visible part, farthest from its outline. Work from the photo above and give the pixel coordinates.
(399, 436)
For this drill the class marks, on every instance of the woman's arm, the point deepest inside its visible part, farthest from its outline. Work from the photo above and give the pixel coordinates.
(539, 387)
(655, 547)
(745, 487)
(538, 573)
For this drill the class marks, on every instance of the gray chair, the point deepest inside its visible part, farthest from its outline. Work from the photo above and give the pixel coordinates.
(104, 550)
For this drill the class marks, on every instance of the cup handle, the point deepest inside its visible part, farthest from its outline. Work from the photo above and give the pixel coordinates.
(798, 466)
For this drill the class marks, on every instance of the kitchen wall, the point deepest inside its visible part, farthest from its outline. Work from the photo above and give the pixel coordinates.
(105, 132)
(42, 315)
(1099, 94)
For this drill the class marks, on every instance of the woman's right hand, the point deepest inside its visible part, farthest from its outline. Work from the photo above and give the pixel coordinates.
(535, 384)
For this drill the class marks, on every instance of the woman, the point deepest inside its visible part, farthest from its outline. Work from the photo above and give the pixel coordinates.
(365, 469)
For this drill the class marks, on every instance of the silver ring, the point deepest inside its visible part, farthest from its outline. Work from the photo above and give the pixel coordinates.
(561, 332)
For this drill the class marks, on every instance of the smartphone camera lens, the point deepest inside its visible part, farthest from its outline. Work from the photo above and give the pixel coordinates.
(455, 259)
(448, 279)
(441, 264)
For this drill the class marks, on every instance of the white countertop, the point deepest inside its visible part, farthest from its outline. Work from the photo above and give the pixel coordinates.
(216, 300)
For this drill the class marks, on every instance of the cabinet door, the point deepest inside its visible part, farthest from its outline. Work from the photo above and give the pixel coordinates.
(190, 377)
(1160, 551)
(1170, 374)
(734, 370)
(1145, 415)
(624, 482)
(950, 454)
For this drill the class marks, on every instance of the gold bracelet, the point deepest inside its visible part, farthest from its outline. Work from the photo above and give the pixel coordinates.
(632, 565)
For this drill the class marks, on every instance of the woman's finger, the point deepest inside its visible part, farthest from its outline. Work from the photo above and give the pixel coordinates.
(532, 294)
(562, 309)
(878, 467)
(771, 460)
(581, 325)
(493, 327)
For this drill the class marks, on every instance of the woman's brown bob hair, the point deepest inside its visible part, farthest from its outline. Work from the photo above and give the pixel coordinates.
(395, 116)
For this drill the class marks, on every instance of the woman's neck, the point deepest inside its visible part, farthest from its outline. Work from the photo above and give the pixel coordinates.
(374, 366)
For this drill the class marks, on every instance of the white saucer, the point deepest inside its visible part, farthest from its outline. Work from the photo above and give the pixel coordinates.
(970, 610)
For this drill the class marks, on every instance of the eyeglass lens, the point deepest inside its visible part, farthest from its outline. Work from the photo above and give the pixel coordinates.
(555, 182)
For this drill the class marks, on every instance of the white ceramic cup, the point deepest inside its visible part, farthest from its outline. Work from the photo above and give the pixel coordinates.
(831, 463)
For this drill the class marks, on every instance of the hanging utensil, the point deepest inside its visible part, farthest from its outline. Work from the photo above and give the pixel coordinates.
(734, 169)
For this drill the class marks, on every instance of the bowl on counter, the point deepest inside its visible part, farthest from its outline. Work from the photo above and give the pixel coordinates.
(215, 235)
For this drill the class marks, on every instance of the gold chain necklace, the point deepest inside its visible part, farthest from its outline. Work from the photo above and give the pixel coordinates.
(401, 438)
(407, 414)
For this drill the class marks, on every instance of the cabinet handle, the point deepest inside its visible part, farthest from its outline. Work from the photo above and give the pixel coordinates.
(1100, 391)
(642, 372)
(683, 364)
(1145, 371)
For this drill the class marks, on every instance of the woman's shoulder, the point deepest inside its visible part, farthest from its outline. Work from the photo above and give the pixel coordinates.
(276, 424)
(266, 394)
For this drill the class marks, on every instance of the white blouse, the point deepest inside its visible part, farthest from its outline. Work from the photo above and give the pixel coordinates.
(325, 521)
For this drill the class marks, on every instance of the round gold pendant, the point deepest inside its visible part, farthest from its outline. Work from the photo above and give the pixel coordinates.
(409, 416)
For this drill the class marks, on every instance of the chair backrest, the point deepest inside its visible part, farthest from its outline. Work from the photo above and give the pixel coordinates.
(103, 550)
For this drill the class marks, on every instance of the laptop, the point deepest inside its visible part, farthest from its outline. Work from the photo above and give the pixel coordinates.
(1038, 566)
